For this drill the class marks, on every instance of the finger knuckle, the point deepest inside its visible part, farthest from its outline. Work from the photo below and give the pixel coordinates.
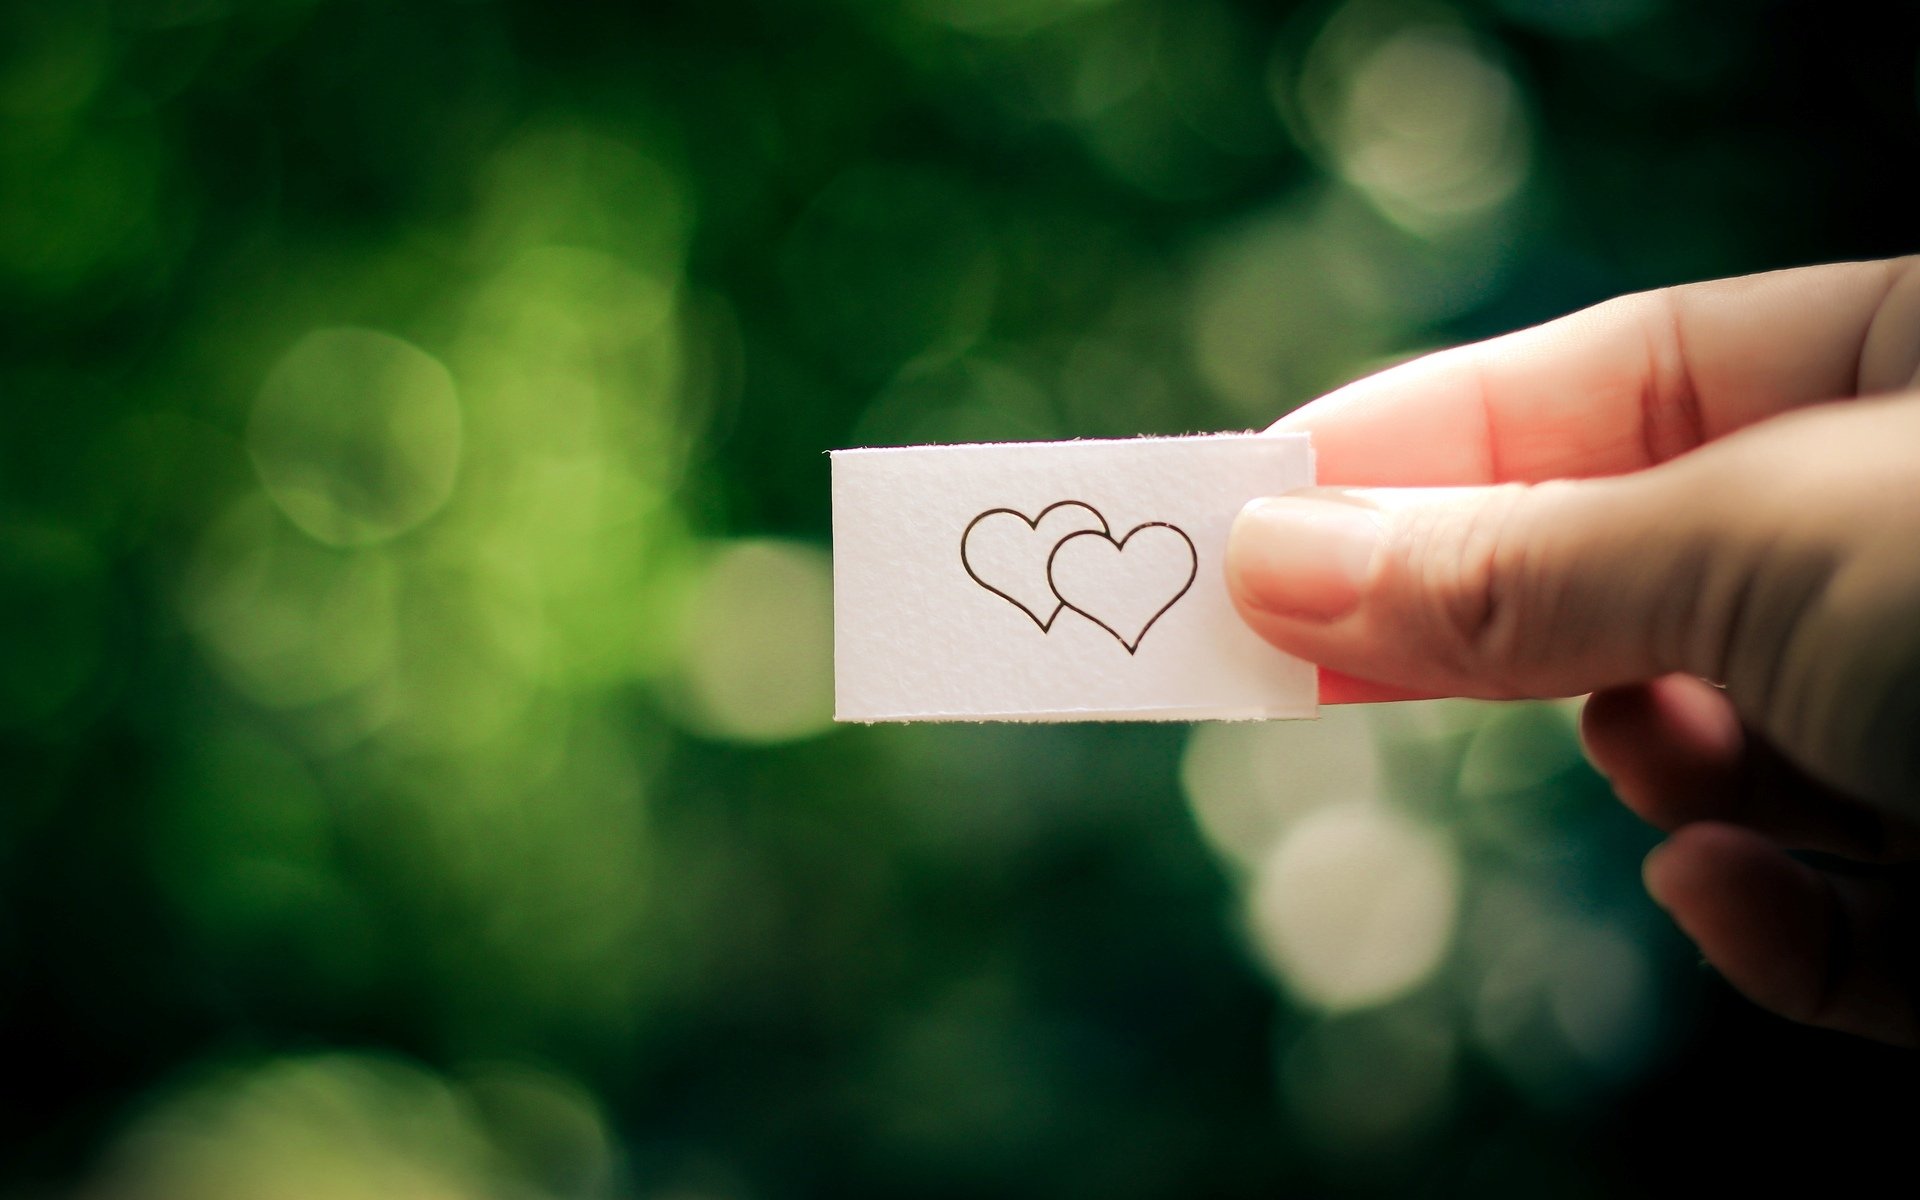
(1469, 567)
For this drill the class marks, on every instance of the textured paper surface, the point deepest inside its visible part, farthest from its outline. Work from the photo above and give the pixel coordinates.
(1055, 581)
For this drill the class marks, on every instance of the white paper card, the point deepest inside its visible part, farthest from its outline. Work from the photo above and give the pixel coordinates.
(1055, 581)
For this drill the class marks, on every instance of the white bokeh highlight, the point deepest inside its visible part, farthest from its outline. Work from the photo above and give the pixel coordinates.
(1356, 906)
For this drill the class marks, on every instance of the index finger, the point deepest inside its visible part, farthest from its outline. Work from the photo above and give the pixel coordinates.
(1618, 387)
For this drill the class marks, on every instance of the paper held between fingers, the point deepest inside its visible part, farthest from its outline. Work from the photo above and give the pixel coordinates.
(1055, 581)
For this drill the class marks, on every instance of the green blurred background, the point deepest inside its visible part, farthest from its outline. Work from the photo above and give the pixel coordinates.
(418, 778)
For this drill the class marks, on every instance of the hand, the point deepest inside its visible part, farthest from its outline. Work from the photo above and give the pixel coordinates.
(1630, 501)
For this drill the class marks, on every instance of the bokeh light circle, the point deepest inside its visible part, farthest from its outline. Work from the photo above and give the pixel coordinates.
(356, 435)
(329, 1127)
(1364, 1083)
(758, 663)
(1414, 111)
(1356, 906)
(1249, 781)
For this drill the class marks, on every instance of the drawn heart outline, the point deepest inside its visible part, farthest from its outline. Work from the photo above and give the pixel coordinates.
(1120, 545)
(1033, 523)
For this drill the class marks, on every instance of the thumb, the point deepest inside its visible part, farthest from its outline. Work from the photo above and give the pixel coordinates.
(1778, 561)
(1547, 589)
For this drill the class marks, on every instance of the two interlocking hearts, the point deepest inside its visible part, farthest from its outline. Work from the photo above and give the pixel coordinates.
(1066, 557)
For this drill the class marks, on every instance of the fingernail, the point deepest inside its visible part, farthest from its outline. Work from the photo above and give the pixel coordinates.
(1303, 558)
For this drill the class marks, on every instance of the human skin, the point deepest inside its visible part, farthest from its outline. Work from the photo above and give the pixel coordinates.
(1712, 482)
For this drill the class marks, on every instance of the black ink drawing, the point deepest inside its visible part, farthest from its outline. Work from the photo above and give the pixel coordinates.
(1066, 558)
(1006, 552)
